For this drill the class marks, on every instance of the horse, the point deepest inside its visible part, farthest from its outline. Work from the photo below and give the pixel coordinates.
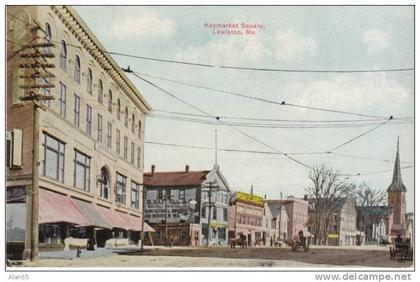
(239, 240)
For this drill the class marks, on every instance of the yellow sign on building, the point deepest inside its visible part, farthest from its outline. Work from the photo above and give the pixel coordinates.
(250, 198)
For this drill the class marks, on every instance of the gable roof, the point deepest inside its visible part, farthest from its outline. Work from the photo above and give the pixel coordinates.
(377, 211)
(174, 178)
(275, 208)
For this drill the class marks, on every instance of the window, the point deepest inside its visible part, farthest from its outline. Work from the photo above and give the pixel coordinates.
(119, 109)
(77, 69)
(118, 142)
(203, 212)
(121, 187)
(214, 212)
(135, 192)
(110, 101)
(225, 214)
(99, 138)
(62, 100)
(90, 81)
(88, 119)
(139, 132)
(222, 233)
(81, 171)
(109, 135)
(133, 124)
(125, 147)
(100, 92)
(138, 157)
(48, 38)
(183, 236)
(46, 91)
(53, 158)
(76, 110)
(182, 195)
(105, 184)
(126, 117)
(132, 152)
(63, 55)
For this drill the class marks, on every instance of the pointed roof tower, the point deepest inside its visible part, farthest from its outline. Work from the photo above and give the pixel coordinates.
(397, 185)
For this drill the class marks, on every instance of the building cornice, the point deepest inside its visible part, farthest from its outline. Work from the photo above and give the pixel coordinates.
(88, 40)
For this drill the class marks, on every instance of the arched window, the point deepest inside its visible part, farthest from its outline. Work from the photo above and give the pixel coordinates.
(48, 38)
(133, 123)
(63, 55)
(89, 81)
(105, 183)
(100, 92)
(119, 109)
(139, 132)
(77, 69)
(110, 100)
(126, 117)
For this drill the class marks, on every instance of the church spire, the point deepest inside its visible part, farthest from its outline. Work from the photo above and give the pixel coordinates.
(397, 185)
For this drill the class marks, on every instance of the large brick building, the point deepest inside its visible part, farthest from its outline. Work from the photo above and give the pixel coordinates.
(246, 215)
(75, 138)
(297, 213)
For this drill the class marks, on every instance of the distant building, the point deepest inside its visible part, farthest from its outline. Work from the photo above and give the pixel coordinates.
(276, 221)
(374, 222)
(178, 206)
(297, 213)
(342, 222)
(396, 199)
(386, 222)
(246, 212)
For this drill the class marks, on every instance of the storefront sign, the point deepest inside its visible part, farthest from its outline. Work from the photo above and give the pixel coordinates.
(240, 196)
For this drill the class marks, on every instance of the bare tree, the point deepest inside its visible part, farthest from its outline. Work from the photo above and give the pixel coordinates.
(326, 188)
(366, 196)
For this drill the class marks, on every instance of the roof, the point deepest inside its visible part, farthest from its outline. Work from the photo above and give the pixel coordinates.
(397, 185)
(275, 208)
(174, 178)
(337, 203)
(377, 211)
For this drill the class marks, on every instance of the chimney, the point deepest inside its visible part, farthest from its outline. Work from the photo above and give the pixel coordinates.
(153, 169)
(305, 197)
(187, 168)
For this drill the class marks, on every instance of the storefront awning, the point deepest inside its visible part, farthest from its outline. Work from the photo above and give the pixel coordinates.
(54, 207)
(92, 214)
(134, 223)
(113, 218)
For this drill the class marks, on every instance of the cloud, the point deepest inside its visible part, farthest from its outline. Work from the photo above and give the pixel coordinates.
(372, 93)
(290, 46)
(145, 23)
(375, 40)
(234, 49)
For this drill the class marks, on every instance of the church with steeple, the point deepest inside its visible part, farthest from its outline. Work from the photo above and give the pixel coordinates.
(388, 221)
(396, 199)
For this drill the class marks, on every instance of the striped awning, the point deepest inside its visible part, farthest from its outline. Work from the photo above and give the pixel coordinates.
(113, 218)
(134, 222)
(54, 207)
(92, 214)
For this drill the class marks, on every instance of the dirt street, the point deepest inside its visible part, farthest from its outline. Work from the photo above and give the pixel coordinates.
(226, 257)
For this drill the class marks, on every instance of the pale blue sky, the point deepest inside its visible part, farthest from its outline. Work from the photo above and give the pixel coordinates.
(294, 37)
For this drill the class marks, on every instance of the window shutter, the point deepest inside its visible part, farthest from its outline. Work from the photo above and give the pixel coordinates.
(17, 148)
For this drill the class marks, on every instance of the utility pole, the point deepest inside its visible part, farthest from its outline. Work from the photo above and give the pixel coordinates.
(212, 187)
(208, 217)
(38, 75)
(143, 196)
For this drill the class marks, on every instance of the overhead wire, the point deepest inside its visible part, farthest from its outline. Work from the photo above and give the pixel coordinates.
(208, 114)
